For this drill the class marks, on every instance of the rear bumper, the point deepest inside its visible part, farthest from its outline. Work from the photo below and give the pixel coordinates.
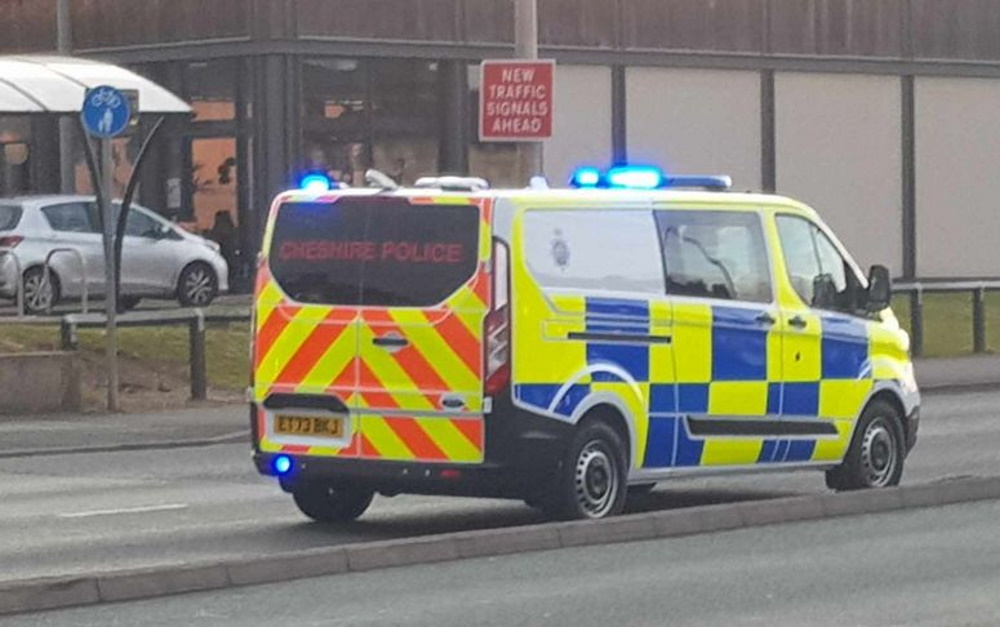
(522, 452)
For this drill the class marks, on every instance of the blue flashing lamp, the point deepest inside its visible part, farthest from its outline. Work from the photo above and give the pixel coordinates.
(636, 177)
(282, 465)
(586, 177)
(315, 183)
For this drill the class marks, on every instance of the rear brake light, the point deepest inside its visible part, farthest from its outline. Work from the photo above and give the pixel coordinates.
(10, 241)
(497, 350)
(497, 325)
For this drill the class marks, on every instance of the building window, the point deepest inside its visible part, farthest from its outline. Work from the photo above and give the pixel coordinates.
(211, 90)
(358, 114)
(15, 152)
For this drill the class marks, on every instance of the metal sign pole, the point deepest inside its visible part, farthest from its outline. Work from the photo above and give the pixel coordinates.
(110, 297)
(106, 113)
(526, 47)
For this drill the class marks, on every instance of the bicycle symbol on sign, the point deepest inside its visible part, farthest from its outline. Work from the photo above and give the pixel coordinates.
(106, 98)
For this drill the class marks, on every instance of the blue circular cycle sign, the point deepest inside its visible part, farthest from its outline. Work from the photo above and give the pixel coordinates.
(106, 112)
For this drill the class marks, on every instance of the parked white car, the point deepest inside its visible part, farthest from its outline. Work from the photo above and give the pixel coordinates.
(159, 259)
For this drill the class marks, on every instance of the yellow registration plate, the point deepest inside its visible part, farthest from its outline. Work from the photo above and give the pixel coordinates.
(310, 425)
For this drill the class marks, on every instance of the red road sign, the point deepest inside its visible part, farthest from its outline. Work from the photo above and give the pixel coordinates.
(515, 100)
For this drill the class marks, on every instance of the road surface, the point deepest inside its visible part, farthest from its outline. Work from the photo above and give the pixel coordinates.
(83, 513)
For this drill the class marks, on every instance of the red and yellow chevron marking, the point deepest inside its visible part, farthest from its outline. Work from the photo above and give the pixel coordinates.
(425, 439)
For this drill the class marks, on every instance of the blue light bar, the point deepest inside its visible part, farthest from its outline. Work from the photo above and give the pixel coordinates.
(586, 177)
(635, 177)
(719, 183)
(282, 464)
(315, 183)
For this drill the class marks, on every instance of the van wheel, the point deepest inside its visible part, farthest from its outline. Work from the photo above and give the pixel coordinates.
(591, 480)
(326, 504)
(875, 457)
(40, 296)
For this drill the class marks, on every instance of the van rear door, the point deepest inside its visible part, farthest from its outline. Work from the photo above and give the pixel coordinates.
(414, 271)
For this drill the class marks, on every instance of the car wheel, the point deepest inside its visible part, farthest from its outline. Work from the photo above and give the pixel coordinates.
(197, 285)
(876, 454)
(40, 296)
(591, 482)
(327, 504)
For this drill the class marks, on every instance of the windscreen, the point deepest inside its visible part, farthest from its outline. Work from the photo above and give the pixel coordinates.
(377, 252)
(10, 215)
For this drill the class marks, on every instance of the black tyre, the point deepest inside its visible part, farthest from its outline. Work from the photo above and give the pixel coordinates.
(591, 481)
(326, 504)
(876, 454)
(197, 286)
(40, 296)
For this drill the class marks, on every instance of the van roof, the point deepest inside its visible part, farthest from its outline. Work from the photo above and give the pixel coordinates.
(560, 195)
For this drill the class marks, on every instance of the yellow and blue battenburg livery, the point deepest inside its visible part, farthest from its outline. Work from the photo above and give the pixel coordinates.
(567, 347)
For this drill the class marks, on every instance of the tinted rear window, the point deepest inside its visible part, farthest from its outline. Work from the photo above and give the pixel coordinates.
(10, 215)
(381, 252)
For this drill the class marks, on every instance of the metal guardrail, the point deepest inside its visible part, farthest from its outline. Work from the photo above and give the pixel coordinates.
(195, 319)
(976, 288)
(46, 272)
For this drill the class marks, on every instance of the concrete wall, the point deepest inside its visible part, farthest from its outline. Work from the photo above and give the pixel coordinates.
(958, 186)
(838, 149)
(696, 122)
(39, 383)
(582, 131)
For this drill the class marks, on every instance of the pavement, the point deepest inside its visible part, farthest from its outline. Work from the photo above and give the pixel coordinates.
(958, 372)
(31, 435)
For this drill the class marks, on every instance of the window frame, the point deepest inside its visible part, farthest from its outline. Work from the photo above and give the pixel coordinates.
(849, 263)
(768, 252)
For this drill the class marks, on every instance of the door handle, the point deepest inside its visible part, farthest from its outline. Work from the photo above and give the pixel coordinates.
(798, 322)
(766, 319)
(391, 341)
(452, 402)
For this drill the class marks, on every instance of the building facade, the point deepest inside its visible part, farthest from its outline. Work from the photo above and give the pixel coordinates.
(880, 113)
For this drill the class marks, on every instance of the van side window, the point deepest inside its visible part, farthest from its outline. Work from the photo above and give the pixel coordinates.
(817, 271)
(594, 250)
(715, 254)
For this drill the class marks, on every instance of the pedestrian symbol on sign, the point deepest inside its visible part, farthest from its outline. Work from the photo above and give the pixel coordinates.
(106, 112)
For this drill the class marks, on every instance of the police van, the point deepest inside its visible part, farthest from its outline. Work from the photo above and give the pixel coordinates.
(566, 347)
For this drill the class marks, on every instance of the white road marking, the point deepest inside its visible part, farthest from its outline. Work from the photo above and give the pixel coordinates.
(128, 510)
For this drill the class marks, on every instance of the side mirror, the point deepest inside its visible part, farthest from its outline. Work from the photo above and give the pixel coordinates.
(824, 292)
(879, 288)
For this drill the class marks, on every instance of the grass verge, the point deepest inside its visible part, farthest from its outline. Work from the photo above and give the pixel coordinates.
(162, 348)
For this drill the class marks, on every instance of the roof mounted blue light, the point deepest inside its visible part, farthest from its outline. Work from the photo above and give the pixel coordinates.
(316, 183)
(645, 177)
(586, 177)
(636, 177)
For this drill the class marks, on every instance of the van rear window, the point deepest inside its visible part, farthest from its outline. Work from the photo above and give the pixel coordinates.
(378, 252)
